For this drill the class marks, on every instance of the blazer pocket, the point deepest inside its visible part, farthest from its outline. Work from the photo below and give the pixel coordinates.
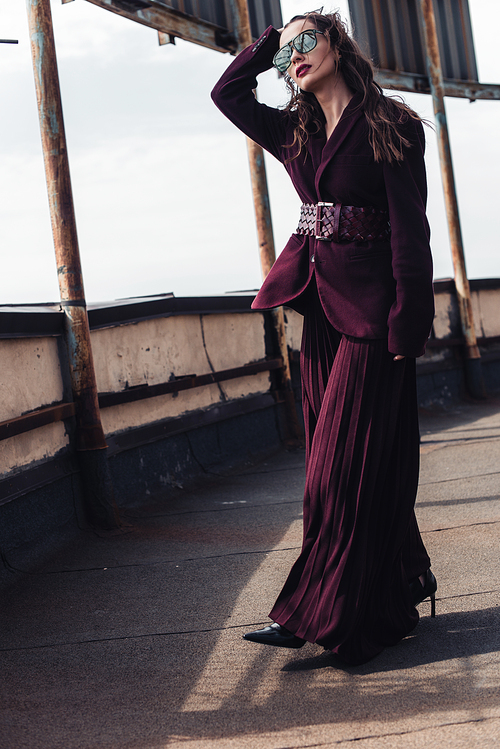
(370, 254)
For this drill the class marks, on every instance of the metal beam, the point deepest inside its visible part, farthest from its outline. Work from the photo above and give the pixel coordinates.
(36, 419)
(420, 84)
(473, 370)
(90, 442)
(172, 22)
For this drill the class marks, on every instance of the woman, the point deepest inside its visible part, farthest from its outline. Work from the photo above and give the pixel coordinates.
(359, 270)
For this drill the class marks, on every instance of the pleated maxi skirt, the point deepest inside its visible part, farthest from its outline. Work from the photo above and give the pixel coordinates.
(348, 590)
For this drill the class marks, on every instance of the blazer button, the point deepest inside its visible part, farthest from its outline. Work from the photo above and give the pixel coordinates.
(312, 258)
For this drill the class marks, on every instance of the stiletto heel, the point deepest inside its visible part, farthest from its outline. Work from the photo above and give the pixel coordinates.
(420, 592)
(275, 635)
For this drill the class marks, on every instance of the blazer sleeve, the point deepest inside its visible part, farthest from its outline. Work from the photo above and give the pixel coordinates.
(412, 313)
(233, 95)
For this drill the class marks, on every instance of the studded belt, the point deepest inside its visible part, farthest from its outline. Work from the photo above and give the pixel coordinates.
(343, 223)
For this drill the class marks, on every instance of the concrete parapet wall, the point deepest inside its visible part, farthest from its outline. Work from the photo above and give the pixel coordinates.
(158, 444)
(30, 375)
(138, 345)
(30, 378)
(440, 370)
(156, 351)
(128, 356)
(485, 307)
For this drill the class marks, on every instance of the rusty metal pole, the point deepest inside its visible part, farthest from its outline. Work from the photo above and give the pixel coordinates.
(265, 227)
(473, 368)
(90, 442)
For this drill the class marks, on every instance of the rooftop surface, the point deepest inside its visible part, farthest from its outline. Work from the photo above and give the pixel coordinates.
(134, 640)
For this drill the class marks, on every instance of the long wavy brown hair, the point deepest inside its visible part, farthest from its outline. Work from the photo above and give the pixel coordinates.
(383, 114)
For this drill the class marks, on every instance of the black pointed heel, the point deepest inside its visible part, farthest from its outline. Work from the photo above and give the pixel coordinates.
(275, 635)
(420, 592)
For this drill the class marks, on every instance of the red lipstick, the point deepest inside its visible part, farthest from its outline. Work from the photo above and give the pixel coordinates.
(301, 70)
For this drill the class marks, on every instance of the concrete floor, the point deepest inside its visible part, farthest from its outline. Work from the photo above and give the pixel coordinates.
(133, 640)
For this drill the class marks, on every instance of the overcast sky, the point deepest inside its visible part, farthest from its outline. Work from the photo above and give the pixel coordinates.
(160, 179)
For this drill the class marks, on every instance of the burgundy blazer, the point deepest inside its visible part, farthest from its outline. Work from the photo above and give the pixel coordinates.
(372, 289)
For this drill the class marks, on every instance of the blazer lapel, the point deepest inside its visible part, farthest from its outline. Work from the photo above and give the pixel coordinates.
(350, 115)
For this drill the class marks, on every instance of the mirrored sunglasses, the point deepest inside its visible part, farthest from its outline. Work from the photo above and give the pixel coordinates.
(304, 42)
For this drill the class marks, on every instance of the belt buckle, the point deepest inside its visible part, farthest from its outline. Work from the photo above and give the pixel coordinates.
(317, 227)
